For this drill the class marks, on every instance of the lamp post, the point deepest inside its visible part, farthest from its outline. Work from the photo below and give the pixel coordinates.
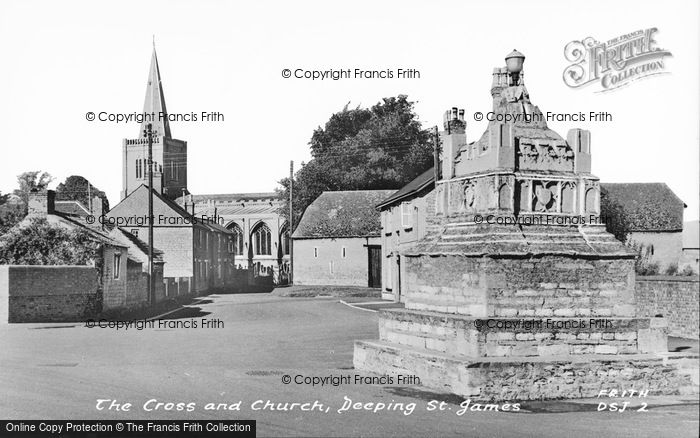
(514, 64)
(148, 133)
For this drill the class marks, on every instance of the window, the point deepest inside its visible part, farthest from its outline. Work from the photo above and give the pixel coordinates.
(406, 213)
(263, 240)
(343, 252)
(284, 238)
(237, 241)
(135, 232)
(316, 252)
(117, 264)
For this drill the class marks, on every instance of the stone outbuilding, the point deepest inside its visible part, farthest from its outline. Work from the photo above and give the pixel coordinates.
(337, 241)
(655, 215)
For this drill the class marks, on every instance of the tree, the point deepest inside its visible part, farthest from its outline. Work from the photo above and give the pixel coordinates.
(29, 181)
(383, 147)
(41, 243)
(616, 221)
(75, 188)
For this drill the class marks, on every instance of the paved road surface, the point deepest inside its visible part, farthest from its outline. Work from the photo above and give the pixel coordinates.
(58, 371)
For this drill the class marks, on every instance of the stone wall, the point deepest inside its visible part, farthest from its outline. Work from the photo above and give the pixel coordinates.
(665, 247)
(524, 287)
(47, 293)
(676, 298)
(321, 261)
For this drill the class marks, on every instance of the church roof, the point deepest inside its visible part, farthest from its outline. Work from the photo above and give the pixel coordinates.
(237, 197)
(155, 100)
(649, 207)
(231, 204)
(342, 214)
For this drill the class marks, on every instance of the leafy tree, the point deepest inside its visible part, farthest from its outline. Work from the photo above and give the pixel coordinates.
(42, 243)
(29, 181)
(616, 221)
(383, 147)
(9, 217)
(75, 188)
(10, 214)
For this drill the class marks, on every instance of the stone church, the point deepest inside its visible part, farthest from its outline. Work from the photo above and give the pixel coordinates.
(260, 235)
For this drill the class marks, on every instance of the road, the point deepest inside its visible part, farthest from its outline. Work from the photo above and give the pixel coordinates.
(59, 371)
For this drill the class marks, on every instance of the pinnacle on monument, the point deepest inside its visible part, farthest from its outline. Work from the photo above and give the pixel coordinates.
(154, 102)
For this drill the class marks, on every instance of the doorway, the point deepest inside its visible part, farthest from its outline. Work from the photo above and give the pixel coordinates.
(374, 256)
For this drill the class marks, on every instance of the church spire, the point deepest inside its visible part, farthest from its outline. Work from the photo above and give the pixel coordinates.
(155, 101)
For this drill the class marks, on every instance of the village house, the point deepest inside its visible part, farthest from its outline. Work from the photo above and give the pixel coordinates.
(403, 221)
(197, 252)
(115, 281)
(655, 216)
(338, 240)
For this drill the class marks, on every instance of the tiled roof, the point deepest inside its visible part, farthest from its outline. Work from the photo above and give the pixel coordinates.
(73, 222)
(135, 243)
(184, 213)
(72, 208)
(648, 206)
(425, 179)
(342, 214)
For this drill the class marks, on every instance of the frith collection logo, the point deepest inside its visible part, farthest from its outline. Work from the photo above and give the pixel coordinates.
(614, 63)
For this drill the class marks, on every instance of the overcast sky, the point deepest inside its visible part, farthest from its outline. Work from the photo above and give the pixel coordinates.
(61, 59)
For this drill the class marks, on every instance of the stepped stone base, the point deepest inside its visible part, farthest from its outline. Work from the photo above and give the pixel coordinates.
(532, 377)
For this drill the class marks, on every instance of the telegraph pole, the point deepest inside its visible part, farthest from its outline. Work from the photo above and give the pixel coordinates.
(436, 155)
(291, 221)
(148, 133)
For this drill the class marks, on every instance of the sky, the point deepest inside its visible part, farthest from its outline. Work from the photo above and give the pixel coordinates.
(63, 59)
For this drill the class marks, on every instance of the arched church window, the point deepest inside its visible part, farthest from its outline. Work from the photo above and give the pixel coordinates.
(263, 240)
(284, 238)
(237, 238)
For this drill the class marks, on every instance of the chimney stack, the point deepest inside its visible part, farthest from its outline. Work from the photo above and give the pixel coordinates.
(97, 207)
(41, 203)
(453, 138)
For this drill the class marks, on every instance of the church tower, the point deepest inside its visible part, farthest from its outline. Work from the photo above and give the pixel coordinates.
(169, 154)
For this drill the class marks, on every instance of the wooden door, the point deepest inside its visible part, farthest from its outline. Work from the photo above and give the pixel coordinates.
(375, 265)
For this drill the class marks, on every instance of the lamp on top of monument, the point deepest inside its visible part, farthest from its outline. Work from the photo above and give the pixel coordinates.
(514, 64)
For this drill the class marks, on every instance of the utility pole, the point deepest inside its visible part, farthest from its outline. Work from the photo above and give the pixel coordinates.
(148, 133)
(291, 221)
(90, 199)
(436, 155)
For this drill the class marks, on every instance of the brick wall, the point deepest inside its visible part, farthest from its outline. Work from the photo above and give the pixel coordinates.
(47, 293)
(676, 298)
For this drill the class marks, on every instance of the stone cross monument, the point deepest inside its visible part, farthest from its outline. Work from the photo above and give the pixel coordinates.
(517, 291)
